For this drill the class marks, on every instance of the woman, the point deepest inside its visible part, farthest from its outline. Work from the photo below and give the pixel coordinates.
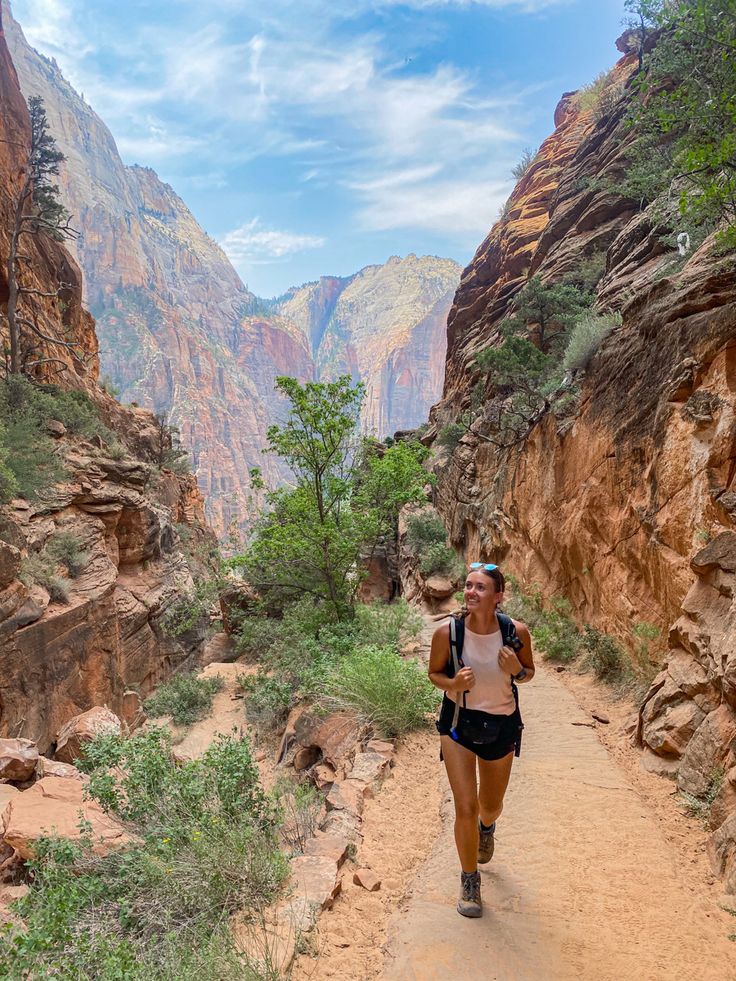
(479, 724)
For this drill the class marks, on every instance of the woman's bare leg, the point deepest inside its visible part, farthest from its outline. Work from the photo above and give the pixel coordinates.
(494, 779)
(461, 771)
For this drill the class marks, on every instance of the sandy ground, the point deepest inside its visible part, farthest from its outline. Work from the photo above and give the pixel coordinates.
(585, 884)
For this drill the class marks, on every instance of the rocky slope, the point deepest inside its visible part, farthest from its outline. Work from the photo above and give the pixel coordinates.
(181, 334)
(608, 507)
(125, 515)
(385, 326)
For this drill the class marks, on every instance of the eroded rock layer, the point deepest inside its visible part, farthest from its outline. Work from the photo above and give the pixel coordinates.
(608, 506)
(60, 655)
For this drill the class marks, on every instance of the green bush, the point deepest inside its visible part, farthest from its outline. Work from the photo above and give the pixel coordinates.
(64, 548)
(700, 807)
(185, 697)
(603, 656)
(528, 157)
(558, 634)
(590, 95)
(186, 612)
(424, 529)
(387, 625)
(443, 560)
(268, 700)
(392, 693)
(586, 337)
(522, 605)
(160, 910)
(41, 568)
(450, 435)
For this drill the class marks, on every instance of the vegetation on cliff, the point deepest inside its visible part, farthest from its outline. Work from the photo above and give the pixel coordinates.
(684, 118)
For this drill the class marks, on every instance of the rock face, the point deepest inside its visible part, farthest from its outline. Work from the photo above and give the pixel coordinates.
(57, 658)
(609, 505)
(385, 326)
(181, 334)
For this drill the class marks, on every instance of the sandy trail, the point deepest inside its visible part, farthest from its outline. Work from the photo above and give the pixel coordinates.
(584, 884)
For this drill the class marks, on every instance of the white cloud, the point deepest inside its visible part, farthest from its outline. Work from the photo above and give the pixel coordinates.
(252, 243)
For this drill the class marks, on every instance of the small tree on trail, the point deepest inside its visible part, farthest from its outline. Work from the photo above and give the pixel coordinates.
(37, 211)
(346, 495)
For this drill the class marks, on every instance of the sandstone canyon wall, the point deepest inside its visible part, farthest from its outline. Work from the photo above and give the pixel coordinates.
(618, 505)
(59, 658)
(180, 333)
(384, 326)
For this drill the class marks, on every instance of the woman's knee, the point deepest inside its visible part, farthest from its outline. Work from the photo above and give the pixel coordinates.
(467, 809)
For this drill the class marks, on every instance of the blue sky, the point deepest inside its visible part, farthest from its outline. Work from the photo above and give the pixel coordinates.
(312, 137)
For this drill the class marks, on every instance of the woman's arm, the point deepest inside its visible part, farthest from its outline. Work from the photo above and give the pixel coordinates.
(513, 661)
(439, 657)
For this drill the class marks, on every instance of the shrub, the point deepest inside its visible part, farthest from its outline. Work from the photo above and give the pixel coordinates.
(450, 435)
(41, 568)
(65, 549)
(602, 655)
(557, 634)
(589, 96)
(648, 638)
(159, 910)
(424, 529)
(528, 157)
(443, 560)
(268, 699)
(586, 337)
(187, 612)
(391, 693)
(700, 807)
(185, 697)
(387, 625)
(523, 605)
(300, 804)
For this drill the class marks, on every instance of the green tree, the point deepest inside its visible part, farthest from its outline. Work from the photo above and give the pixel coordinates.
(346, 495)
(684, 119)
(545, 312)
(37, 211)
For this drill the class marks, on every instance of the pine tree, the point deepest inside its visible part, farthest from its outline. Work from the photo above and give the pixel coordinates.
(37, 211)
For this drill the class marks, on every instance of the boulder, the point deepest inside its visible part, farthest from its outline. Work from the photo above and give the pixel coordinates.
(18, 759)
(57, 806)
(83, 728)
(323, 776)
(369, 767)
(314, 878)
(132, 712)
(336, 736)
(335, 847)
(367, 879)
(438, 587)
(706, 751)
(7, 793)
(346, 796)
(9, 563)
(53, 768)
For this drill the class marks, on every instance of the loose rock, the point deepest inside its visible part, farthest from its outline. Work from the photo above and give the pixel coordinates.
(367, 879)
(18, 759)
(83, 728)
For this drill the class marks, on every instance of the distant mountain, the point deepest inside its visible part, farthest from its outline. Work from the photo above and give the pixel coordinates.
(179, 332)
(386, 326)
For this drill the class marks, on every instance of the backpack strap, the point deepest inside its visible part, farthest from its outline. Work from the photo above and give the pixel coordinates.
(508, 631)
(457, 636)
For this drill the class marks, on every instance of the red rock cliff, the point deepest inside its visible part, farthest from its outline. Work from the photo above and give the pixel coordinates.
(611, 508)
(60, 658)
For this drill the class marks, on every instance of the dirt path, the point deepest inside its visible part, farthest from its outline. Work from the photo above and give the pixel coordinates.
(584, 884)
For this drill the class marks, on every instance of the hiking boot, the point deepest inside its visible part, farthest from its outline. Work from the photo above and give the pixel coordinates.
(486, 844)
(469, 903)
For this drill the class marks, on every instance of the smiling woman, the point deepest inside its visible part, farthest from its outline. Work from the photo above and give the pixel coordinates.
(375, 127)
(478, 661)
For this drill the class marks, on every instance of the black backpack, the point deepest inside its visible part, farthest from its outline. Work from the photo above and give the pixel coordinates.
(509, 637)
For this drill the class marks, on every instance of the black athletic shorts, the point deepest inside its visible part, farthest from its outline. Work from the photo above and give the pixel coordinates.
(509, 736)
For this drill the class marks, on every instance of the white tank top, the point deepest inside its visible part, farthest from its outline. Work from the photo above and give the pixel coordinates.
(492, 691)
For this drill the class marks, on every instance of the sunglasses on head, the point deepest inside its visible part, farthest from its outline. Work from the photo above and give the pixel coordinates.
(488, 566)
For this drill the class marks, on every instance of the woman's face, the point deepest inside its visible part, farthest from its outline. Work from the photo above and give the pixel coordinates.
(480, 592)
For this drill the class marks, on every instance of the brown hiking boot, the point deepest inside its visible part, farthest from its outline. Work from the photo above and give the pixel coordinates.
(486, 844)
(469, 903)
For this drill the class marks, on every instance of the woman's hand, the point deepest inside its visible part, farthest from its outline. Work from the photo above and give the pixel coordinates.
(464, 680)
(508, 661)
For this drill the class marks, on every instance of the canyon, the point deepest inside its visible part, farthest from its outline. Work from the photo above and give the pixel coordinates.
(626, 505)
(181, 335)
(129, 518)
